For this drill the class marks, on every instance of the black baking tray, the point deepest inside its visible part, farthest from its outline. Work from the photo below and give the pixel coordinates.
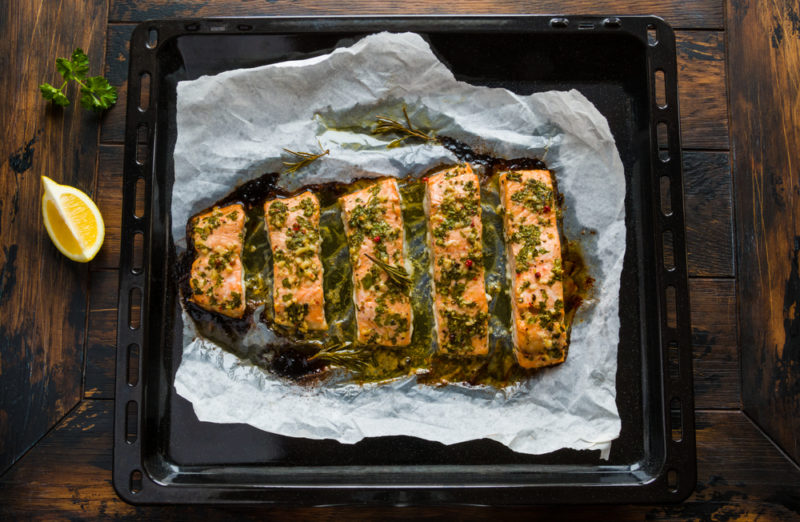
(626, 66)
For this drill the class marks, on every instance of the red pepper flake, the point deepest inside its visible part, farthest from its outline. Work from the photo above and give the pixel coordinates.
(295, 227)
(377, 239)
(468, 262)
(546, 208)
(538, 275)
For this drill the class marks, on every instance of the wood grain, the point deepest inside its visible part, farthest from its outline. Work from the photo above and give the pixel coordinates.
(101, 336)
(764, 84)
(116, 71)
(707, 190)
(716, 356)
(109, 201)
(701, 87)
(702, 96)
(42, 293)
(700, 14)
(741, 474)
(68, 475)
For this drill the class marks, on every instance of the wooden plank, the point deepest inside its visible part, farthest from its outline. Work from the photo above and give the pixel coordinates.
(732, 478)
(109, 201)
(716, 357)
(701, 86)
(116, 71)
(68, 472)
(68, 475)
(700, 14)
(42, 293)
(764, 72)
(702, 96)
(101, 336)
(709, 213)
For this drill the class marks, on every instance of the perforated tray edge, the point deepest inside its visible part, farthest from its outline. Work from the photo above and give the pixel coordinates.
(130, 479)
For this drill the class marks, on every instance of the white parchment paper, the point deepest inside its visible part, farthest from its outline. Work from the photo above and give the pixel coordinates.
(232, 127)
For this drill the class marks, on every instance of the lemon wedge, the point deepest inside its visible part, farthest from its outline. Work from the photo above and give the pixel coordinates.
(72, 220)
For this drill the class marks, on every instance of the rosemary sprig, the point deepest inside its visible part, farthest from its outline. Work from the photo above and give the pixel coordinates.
(306, 158)
(386, 125)
(342, 354)
(397, 274)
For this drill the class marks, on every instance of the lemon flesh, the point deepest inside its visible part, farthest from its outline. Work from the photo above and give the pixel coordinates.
(72, 220)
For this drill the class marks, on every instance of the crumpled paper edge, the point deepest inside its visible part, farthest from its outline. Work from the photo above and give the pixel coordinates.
(582, 132)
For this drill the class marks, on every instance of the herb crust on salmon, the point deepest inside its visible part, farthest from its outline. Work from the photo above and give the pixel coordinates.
(373, 222)
(294, 237)
(455, 231)
(534, 265)
(217, 277)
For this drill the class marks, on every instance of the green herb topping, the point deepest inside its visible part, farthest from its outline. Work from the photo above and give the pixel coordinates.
(458, 219)
(534, 195)
(298, 262)
(96, 93)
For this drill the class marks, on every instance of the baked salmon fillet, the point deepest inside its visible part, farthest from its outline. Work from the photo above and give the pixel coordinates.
(217, 276)
(460, 305)
(294, 237)
(373, 222)
(534, 265)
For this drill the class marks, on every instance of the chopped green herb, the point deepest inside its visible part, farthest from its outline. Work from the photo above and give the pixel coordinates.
(460, 328)
(296, 313)
(277, 214)
(534, 195)
(308, 206)
(529, 236)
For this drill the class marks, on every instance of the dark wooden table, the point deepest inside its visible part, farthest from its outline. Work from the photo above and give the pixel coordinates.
(739, 79)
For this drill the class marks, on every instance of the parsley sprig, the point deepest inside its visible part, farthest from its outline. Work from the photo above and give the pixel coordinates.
(96, 93)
